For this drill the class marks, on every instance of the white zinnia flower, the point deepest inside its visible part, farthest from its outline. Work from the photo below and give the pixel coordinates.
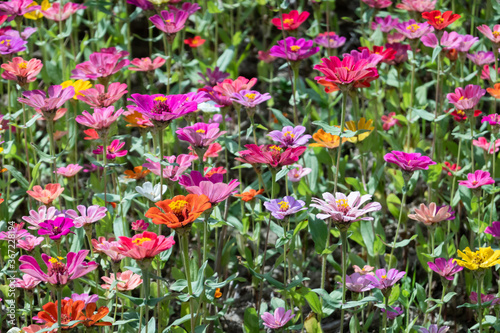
(153, 194)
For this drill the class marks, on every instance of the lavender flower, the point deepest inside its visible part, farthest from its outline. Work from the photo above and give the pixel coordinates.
(385, 24)
(482, 58)
(296, 174)
(434, 329)
(211, 78)
(330, 40)
(290, 137)
(281, 208)
(358, 283)
(10, 44)
(393, 314)
(250, 98)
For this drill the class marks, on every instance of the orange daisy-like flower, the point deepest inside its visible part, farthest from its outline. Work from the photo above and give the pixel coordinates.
(137, 173)
(70, 311)
(326, 140)
(179, 211)
(495, 91)
(92, 134)
(90, 319)
(249, 195)
(218, 294)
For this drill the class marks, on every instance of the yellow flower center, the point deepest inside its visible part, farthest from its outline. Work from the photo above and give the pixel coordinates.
(56, 260)
(7, 42)
(160, 99)
(413, 27)
(177, 206)
(460, 112)
(294, 48)
(342, 203)
(200, 131)
(496, 33)
(288, 21)
(250, 96)
(168, 21)
(439, 19)
(23, 65)
(289, 133)
(274, 147)
(139, 241)
(384, 276)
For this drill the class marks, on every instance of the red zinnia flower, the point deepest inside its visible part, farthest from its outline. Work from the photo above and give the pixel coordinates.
(451, 168)
(194, 42)
(440, 21)
(291, 21)
(387, 54)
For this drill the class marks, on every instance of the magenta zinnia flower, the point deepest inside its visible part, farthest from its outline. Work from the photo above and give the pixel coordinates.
(494, 229)
(412, 29)
(282, 208)
(88, 215)
(409, 162)
(482, 58)
(466, 99)
(56, 228)
(447, 268)
(113, 150)
(145, 64)
(101, 119)
(211, 186)
(250, 98)
(477, 179)
(290, 137)
(170, 22)
(97, 97)
(358, 283)
(50, 107)
(330, 40)
(200, 135)
(15, 8)
(99, 66)
(271, 155)
(492, 119)
(385, 279)
(69, 171)
(58, 273)
(177, 165)
(55, 13)
(294, 49)
(277, 320)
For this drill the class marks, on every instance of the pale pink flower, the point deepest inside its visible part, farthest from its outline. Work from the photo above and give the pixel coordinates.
(108, 247)
(99, 66)
(486, 145)
(171, 172)
(417, 5)
(297, 173)
(89, 215)
(40, 216)
(493, 35)
(101, 119)
(365, 270)
(29, 243)
(27, 282)
(69, 171)
(127, 280)
(145, 64)
(430, 215)
(54, 12)
(97, 97)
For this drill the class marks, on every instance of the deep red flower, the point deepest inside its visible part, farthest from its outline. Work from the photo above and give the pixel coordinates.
(388, 54)
(440, 20)
(92, 134)
(291, 21)
(460, 116)
(451, 168)
(195, 41)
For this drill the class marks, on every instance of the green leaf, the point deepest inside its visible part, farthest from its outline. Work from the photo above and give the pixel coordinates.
(17, 176)
(251, 321)
(312, 325)
(436, 52)
(319, 231)
(402, 243)
(282, 119)
(213, 8)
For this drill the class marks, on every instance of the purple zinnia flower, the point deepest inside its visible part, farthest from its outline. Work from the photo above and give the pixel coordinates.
(467, 41)
(330, 40)
(50, 107)
(56, 228)
(485, 298)
(294, 49)
(14, 8)
(281, 208)
(482, 58)
(250, 98)
(88, 215)
(434, 329)
(393, 314)
(385, 279)
(200, 135)
(413, 30)
(477, 179)
(290, 137)
(213, 186)
(494, 229)
(409, 162)
(277, 320)
(445, 268)
(143, 4)
(86, 298)
(357, 283)
(385, 24)
(11, 44)
(211, 78)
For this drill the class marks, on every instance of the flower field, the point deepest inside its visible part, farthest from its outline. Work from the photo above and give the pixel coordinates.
(250, 166)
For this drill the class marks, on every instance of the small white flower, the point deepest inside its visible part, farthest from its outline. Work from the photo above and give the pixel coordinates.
(147, 191)
(208, 106)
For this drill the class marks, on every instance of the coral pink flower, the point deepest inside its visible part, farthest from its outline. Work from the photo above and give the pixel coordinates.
(15, 8)
(98, 97)
(266, 57)
(451, 168)
(378, 4)
(55, 13)
(144, 246)
(413, 30)
(389, 121)
(108, 247)
(22, 71)
(58, 273)
(417, 5)
(430, 215)
(113, 150)
(228, 87)
(126, 281)
(177, 165)
(213, 186)
(200, 135)
(291, 21)
(69, 171)
(29, 243)
(440, 20)
(99, 66)
(477, 179)
(170, 22)
(28, 282)
(346, 74)
(101, 119)
(272, 155)
(409, 162)
(47, 195)
(50, 107)
(447, 268)
(466, 99)
(486, 145)
(145, 64)
(493, 35)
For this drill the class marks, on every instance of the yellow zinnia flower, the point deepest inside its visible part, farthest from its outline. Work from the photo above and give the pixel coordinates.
(326, 140)
(484, 258)
(79, 85)
(362, 125)
(37, 14)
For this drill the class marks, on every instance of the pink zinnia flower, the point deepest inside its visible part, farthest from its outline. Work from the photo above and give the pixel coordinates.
(330, 40)
(212, 186)
(492, 119)
(447, 268)
(28, 282)
(140, 225)
(485, 72)
(294, 49)
(401, 54)
(29, 243)
(409, 162)
(98, 97)
(250, 98)
(367, 269)
(291, 21)
(467, 41)
(277, 320)
(272, 155)
(212, 151)
(357, 283)
(385, 279)
(188, 7)
(170, 22)
(88, 215)
(486, 145)
(58, 273)
(412, 29)
(493, 35)
(385, 24)
(177, 165)
(296, 174)
(54, 12)
(113, 150)
(43, 214)
(146, 65)
(200, 135)
(144, 246)
(108, 247)
(396, 38)
(228, 87)
(481, 58)
(15, 233)
(22, 71)
(101, 119)
(126, 281)
(448, 40)
(378, 4)
(50, 107)
(15, 8)
(430, 215)
(389, 121)
(494, 229)
(417, 5)
(477, 179)
(69, 171)
(466, 99)
(99, 66)
(47, 195)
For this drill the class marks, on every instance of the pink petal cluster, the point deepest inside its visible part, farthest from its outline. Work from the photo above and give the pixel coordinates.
(127, 280)
(97, 97)
(271, 155)
(466, 99)
(430, 215)
(144, 246)
(177, 166)
(145, 64)
(55, 13)
(101, 119)
(69, 171)
(477, 179)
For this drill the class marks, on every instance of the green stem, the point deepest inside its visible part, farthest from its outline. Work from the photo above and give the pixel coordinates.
(205, 235)
(472, 123)
(494, 156)
(59, 306)
(167, 47)
(50, 129)
(185, 256)
(342, 124)
(145, 284)
(343, 236)
(412, 88)
(104, 150)
(403, 202)
(295, 68)
(479, 303)
(441, 305)
(384, 321)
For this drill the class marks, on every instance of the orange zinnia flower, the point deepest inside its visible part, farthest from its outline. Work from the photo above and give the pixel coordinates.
(92, 134)
(179, 211)
(136, 119)
(249, 195)
(47, 195)
(495, 91)
(69, 312)
(137, 173)
(326, 140)
(90, 319)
